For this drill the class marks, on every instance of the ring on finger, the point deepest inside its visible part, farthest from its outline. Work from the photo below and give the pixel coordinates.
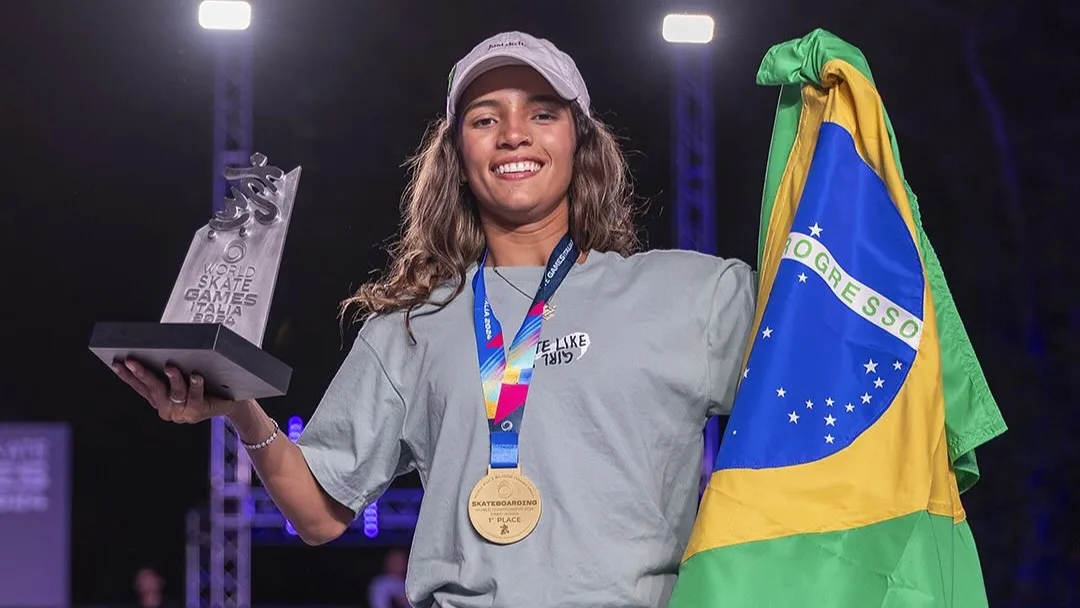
(181, 400)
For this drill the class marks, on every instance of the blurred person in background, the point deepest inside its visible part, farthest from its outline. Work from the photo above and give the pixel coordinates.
(387, 590)
(149, 589)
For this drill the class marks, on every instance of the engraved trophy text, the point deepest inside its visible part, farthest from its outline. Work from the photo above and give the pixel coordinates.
(232, 265)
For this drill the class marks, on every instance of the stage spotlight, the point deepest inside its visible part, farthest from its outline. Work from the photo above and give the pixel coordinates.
(692, 29)
(224, 14)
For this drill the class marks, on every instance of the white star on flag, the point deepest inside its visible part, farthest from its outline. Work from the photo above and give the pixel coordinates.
(802, 277)
(780, 392)
(828, 401)
(828, 438)
(866, 398)
(815, 230)
(767, 333)
(793, 418)
(849, 407)
(897, 366)
(879, 383)
(745, 371)
(830, 421)
(809, 404)
(870, 367)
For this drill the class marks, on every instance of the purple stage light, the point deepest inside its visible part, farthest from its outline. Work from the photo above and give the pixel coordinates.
(371, 520)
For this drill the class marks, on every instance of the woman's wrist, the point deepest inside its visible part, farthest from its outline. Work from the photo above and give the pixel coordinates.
(250, 421)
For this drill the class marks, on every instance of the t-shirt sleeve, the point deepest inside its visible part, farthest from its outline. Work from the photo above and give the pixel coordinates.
(354, 442)
(730, 320)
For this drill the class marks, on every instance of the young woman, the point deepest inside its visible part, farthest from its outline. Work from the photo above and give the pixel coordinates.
(519, 207)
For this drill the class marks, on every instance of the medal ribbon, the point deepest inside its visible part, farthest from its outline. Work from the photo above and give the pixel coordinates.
(506, 378)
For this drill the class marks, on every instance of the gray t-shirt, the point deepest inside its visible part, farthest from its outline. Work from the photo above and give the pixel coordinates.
(640, 351)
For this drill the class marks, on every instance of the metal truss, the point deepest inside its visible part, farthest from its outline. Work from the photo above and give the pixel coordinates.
(224, 580)
(694, 143)
(695, 182)
(390, 521)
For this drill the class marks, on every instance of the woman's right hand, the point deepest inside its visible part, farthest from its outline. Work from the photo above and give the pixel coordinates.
(181, 401)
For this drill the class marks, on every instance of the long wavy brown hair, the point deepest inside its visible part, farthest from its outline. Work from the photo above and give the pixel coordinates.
(441, 235)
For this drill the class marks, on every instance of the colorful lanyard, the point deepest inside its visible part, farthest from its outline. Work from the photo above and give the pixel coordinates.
(506, 379)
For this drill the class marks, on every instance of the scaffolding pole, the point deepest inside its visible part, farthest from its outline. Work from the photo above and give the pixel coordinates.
(695, 188)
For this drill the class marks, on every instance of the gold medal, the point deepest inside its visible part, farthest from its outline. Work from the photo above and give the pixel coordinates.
(504, 506)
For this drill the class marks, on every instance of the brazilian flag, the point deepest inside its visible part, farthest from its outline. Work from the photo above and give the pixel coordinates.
(852, 436)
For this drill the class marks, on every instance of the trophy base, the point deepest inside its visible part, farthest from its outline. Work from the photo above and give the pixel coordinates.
(232, 367)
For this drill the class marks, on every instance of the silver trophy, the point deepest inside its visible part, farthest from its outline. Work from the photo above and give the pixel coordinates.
(215, 319)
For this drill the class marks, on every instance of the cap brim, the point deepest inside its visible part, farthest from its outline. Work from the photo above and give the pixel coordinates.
(499, 60)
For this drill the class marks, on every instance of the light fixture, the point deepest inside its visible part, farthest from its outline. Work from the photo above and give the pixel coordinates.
(688, 29)
(225, 14)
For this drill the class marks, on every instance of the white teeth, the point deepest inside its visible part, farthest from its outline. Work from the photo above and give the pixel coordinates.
(525, 167)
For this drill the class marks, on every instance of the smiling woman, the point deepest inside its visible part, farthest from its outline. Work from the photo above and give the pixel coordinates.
(590, 499)
(517, 144)
(505, 166)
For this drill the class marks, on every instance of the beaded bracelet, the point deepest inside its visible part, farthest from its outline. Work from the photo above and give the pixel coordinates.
(262, 444)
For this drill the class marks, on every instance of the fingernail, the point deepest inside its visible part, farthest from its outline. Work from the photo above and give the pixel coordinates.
(196, 379)
(116, 367)
(131, 366)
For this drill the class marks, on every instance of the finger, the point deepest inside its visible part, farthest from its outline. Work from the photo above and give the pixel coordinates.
(196, 389)
(181, 414)
(165, 412)
(197, 395)
(174, 412)
(185, 413)
(153, 384)
(178, 390)
(130, 379)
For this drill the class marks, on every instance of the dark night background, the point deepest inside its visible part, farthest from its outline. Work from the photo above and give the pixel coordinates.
(105, 132)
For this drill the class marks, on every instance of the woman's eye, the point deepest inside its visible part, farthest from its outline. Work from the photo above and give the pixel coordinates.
(483, 122)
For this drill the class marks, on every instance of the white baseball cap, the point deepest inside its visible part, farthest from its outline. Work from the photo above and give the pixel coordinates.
(517, 48)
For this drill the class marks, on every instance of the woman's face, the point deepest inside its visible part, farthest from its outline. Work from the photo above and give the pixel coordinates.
(517, 145)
